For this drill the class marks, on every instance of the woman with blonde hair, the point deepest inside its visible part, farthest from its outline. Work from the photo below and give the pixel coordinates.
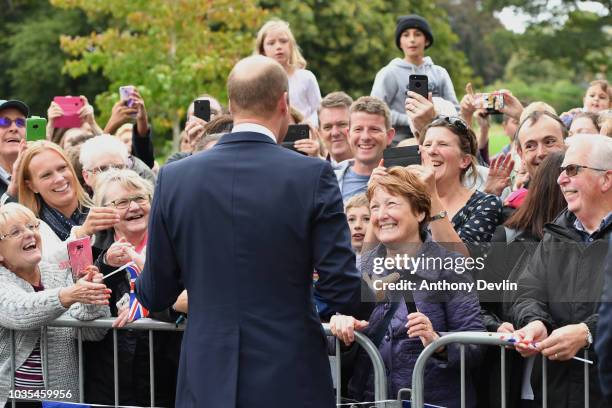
(275, 40)
(49, 187)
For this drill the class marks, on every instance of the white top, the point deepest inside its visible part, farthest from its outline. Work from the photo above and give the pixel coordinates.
(304, 94)
(254, 127)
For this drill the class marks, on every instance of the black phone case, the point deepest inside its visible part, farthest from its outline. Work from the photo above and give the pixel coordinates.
(419, 84)
(201, 109)
(402, 156)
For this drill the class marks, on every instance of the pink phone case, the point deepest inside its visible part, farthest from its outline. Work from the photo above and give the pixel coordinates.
(80, 256)
(71, 106)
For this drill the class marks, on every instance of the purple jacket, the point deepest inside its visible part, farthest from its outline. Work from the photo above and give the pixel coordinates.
(448, 311)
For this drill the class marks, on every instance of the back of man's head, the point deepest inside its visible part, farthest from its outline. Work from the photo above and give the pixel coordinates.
(255, 86)
(373, 106)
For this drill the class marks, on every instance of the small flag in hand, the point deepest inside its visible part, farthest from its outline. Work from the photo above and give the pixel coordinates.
(137, 311)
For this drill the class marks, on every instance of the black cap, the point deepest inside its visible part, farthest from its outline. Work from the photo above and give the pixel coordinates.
(412, 21)
(13, 103)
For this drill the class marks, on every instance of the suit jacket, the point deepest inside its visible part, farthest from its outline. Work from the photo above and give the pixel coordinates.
(603, 345)
(242, 227)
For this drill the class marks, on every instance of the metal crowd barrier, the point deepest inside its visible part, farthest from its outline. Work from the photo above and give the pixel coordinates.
(380, 379)
(480, 338)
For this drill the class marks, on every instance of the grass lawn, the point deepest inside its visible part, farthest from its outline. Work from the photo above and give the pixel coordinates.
(497, 139)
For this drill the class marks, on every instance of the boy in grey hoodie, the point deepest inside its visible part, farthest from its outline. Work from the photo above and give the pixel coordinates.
(413, 36)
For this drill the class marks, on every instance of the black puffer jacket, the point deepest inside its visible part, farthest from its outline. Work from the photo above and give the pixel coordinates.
(562, 285)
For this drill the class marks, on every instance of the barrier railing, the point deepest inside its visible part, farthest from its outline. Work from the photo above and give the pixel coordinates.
(478, 338)
(380, 379)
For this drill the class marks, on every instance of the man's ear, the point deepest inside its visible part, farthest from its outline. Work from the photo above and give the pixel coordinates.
(390, 136)
(31, 186)
(283, 103)
(606, 184)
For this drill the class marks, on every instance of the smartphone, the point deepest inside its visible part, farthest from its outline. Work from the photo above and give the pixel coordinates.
(80, 256)
(492, 102)
(201, 109)
(401, 156)
(295, 132)
(125, 94)
(419, 84)
(71, 106)
(36, 128)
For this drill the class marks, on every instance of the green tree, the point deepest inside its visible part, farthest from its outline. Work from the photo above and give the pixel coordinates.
(347, 42)
(171, 50)
(484, 40)
(30, 56)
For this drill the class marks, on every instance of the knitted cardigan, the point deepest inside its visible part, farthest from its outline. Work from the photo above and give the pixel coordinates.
(26, 312)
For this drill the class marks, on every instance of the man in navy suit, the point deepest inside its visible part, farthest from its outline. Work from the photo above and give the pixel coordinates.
(242, 227)
(604, 331)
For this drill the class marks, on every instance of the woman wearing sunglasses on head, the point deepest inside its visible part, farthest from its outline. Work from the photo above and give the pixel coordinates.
(459, 215)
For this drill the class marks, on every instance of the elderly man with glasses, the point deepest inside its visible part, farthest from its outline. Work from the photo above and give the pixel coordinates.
(13, 116)
(561, 287)
(106, 152)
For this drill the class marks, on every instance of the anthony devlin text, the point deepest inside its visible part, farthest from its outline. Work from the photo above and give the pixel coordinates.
(444, 285)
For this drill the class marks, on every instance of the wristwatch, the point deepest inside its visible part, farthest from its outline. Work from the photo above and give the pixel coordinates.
(438, 216)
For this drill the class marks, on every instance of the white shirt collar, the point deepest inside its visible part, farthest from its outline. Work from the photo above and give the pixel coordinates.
(253, 127)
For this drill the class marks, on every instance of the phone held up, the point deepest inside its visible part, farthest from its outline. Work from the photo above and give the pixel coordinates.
(419, 84)
(295, 133)
(36, 128)
(201, 109)
(492, 102)
(71, 105)
(80, 256)
(401, 156)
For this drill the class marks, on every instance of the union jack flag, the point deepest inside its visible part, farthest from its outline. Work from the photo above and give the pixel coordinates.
(137, 311)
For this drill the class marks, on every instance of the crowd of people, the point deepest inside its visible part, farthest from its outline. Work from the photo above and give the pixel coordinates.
(538, 214)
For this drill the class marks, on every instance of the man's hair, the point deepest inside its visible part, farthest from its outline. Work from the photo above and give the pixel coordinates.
(533, 117)
(336, 99)
(258, 91)
(373, 106)
(599, 149)
(104, 144)
(401, 181)
(359, 200)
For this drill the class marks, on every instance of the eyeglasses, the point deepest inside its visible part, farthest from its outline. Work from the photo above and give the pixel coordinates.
(18, 232)
(572, 169)
(102, 169)
(123, 203)
(7, 122)
(454, 121)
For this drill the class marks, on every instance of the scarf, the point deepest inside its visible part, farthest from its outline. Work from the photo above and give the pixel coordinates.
(59, 223)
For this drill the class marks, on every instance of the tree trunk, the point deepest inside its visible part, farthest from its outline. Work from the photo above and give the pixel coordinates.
(176, 133)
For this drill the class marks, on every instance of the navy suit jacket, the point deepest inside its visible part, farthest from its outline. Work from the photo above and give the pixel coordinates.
(242, 227)
(603, 342)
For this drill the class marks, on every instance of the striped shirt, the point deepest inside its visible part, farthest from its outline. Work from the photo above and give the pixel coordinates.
(30, 375)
